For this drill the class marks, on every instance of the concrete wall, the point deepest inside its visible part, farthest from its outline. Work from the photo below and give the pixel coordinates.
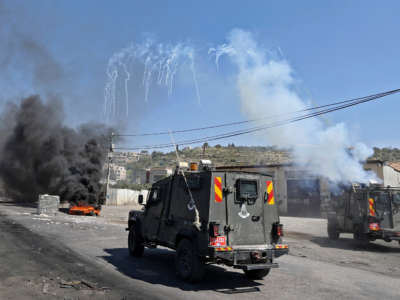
(48, 204)
(120, 197)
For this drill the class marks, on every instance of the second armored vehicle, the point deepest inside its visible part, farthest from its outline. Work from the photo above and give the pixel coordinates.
(369, 212)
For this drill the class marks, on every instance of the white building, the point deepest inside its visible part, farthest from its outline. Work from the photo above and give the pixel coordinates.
(118, 172)
(156, 174)
(388, 172)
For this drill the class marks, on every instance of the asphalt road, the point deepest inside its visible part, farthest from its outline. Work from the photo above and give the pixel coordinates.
(94, 249)
(36, 267)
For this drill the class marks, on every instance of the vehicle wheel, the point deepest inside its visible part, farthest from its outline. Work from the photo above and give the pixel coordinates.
(189, 265)
(92, 213)
(256, 274)
(135, 246)
(333, 233)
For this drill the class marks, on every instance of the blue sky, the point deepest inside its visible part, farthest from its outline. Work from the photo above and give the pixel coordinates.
(337, 50)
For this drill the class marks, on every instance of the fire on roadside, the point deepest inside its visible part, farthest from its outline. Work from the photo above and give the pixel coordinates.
(84, 210)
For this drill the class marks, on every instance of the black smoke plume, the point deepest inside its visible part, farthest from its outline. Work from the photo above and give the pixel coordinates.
(39, 154)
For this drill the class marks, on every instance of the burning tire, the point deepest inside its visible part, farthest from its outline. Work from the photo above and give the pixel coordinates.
(135, 245)
(256, 274)
(188, 263)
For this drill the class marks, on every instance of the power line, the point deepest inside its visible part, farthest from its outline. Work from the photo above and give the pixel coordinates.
(257, 119)
(345, 104)
(265, 126)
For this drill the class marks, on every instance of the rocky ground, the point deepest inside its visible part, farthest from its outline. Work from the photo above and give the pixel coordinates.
(77, 257)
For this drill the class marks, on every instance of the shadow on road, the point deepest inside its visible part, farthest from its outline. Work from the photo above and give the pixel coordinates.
(157, 267)
(9, 202)
(64, 210)
(351, 244)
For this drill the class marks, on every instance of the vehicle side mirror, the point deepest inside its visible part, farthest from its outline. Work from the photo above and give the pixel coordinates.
(140, 199)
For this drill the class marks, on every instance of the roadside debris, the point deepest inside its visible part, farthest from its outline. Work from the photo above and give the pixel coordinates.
(80, 284)
(69, 284)
(45, 289)
(88, 284)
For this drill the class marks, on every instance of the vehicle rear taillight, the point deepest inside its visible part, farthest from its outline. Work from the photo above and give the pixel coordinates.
(279, 230)
(374, 226)
(214, 230)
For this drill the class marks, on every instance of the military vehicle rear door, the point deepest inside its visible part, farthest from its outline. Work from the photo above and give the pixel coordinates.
(152, 216)
(396, 209)
(244, 207)
(383, 208)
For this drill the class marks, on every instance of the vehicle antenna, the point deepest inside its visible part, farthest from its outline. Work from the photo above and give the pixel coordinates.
(192, 204)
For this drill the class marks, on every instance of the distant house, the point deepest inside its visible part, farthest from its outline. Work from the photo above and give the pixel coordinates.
(152, 175)
(139, 176)
(122, 158)
(388, 172)
(155, 174)
(118, 173)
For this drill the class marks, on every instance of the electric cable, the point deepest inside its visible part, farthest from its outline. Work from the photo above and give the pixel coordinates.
(345, 104)
(255, 120)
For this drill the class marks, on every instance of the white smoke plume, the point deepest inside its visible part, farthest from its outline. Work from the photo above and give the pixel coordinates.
(266, 87)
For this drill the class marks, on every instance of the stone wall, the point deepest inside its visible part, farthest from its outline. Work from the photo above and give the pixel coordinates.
(48, 204)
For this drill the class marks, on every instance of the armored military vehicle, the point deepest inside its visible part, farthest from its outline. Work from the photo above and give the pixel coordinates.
(369, 212)
(211, 216)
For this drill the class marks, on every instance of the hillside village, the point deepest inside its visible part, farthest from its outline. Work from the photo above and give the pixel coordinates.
(129, 169)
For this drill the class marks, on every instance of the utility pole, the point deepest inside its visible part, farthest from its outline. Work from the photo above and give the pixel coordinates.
(111, 150)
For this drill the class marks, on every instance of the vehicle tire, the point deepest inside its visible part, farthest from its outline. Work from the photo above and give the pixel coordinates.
(135, 245)
(333, 233)
(188, 263)
(256, 274)
(91, 213)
